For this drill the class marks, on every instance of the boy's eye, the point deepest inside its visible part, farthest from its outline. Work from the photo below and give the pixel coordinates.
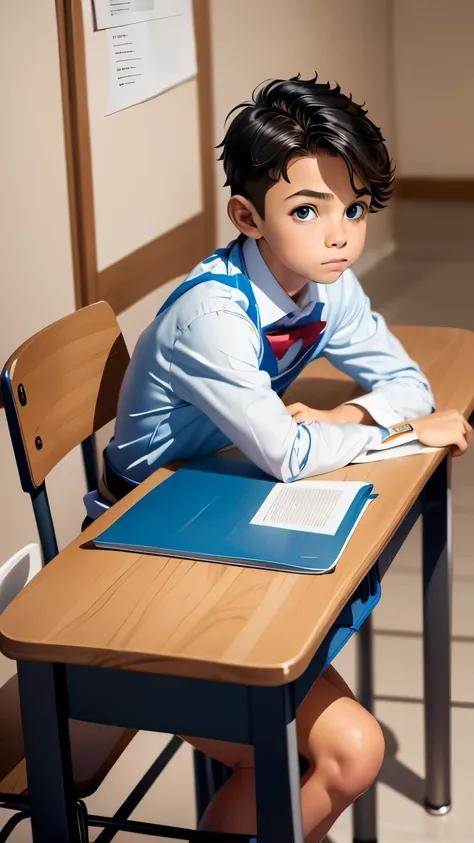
(355, 211)
(304, 213)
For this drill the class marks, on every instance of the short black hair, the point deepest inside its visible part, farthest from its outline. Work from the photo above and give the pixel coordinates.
(297, 117)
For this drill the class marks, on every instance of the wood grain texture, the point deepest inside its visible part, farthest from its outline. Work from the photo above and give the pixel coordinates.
(149, 267)
(166, 257)
(71, 373)
(94, 748)
(72, 60)
(221, 622)
(434, 189)
(176, 252)
(202, 28)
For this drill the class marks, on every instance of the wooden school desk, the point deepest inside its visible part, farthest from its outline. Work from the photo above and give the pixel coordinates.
(218, 651)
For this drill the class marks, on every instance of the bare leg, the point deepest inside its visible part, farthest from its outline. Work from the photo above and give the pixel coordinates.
(343, 745)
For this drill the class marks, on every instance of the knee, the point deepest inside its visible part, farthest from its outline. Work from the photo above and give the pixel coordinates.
(245, 761)
(355, 756)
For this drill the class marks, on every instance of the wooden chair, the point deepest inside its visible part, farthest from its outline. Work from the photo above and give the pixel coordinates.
(58, 389)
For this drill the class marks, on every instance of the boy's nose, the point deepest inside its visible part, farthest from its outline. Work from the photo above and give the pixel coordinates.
(336, 239)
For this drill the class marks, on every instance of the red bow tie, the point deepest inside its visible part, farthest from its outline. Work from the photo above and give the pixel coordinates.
(282, 339)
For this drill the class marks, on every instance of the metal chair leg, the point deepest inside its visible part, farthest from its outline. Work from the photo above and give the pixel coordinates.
(11, 824)
(364, 809)
(82, 819)
(201, 790)
(134, 798)
(209, 776)
(219, 774)
(89, 458)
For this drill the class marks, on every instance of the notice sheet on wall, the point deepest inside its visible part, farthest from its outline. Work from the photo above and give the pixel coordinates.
(110, 13)
(150, 57)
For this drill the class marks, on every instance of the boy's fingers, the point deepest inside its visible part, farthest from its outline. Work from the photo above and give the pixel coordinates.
(465, 424)
(295, 408)
(300, 418)
(460, 446)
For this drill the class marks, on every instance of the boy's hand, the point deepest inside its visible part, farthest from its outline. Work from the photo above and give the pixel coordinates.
(438, 430)
(447, 427)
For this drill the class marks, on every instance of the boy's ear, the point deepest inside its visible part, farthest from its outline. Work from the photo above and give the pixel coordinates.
(244, 216)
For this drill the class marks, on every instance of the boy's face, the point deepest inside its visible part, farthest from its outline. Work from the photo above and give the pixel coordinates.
(314, 226)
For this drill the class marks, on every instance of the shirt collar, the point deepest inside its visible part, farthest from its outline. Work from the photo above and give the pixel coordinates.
(272, 301)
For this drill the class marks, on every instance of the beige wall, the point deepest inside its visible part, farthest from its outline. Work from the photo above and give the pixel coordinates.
(35, 257)
(135, 159)
(434, 99)
(347, 40)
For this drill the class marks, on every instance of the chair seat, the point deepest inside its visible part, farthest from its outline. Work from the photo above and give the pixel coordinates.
(94, 748)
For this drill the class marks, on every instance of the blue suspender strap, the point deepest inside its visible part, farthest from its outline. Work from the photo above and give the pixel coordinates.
(232, 254)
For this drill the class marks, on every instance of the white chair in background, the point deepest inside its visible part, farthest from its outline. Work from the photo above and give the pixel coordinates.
(17, 571)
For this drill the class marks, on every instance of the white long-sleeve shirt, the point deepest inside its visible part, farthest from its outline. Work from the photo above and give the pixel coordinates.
(196, 382)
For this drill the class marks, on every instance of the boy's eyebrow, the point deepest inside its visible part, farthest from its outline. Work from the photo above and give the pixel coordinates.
(315, 194)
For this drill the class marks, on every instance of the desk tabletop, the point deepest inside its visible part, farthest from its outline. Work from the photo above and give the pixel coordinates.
(207, 620)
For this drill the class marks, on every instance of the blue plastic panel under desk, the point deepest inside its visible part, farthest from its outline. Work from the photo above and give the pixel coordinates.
(353, 615)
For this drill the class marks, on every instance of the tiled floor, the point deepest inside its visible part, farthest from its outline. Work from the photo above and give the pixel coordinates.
(431, 281)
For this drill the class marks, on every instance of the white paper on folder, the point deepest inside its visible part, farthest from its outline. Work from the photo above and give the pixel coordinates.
(406, 450)
(148, 58)
(110, 13)
(310, 506)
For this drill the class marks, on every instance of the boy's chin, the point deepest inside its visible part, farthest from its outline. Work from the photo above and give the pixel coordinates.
(326, 275)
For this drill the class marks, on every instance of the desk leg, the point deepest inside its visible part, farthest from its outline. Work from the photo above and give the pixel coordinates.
(364, 809)
(48, 753)
(437, 638)
(273, 726)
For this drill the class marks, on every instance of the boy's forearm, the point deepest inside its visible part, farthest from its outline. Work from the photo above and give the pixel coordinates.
(351, 413)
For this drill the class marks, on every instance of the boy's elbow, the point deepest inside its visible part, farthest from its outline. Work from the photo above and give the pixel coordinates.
(424, 404)
(285, 472)
(282, 474)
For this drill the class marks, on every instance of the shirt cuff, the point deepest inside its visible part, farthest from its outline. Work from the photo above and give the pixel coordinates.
(395, 435)
(378, 407)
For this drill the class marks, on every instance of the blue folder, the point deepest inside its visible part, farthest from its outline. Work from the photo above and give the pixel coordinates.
(203, 511)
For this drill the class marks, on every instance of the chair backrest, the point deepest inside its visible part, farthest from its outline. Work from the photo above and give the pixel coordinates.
(17, 571)
(62, 385)
(58, 388)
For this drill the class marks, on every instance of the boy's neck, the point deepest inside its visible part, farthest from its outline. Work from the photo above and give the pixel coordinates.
(291, 283)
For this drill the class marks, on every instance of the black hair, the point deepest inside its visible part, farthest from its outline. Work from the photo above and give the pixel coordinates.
(297, 117)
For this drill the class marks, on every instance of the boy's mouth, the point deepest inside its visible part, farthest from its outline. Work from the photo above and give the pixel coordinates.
(334, 262)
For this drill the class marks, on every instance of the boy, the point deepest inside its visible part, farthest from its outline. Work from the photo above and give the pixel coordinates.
(305, 166)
